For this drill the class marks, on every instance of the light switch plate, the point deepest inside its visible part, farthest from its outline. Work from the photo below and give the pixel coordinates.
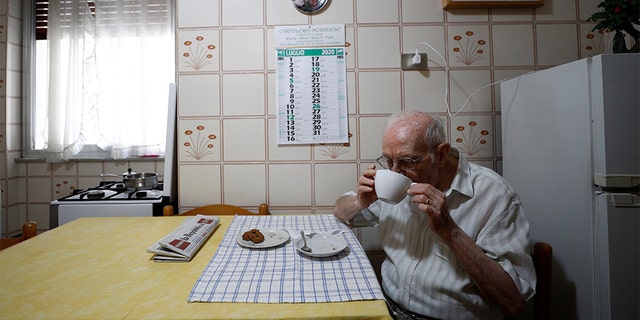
(407, 62)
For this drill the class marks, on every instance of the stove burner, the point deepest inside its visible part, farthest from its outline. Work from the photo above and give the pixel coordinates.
(95, 194)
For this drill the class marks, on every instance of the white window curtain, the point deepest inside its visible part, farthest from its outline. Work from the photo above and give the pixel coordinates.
(108, 78)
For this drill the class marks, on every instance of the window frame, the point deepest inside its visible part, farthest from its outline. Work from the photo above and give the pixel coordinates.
(29, 35)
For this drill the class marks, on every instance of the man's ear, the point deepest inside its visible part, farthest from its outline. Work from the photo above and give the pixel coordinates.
(442, 152)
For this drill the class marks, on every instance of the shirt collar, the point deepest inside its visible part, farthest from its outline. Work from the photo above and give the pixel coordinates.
(461, 182)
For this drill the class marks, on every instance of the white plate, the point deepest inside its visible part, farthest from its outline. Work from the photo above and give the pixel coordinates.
(322, 245)
(272, 238)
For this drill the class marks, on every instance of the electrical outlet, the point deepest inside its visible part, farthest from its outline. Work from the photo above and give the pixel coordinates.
(407, 62)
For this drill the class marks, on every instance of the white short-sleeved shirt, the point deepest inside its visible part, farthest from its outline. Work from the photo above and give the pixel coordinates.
(422, 274)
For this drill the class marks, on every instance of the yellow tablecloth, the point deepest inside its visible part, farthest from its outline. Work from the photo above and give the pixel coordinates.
(97, 268)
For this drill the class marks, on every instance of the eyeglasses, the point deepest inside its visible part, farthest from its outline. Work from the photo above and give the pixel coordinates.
(402, 163)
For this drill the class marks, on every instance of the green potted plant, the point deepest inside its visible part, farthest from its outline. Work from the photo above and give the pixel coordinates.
(618, 16)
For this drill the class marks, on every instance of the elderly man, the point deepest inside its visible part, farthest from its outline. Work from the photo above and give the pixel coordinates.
(457, 245)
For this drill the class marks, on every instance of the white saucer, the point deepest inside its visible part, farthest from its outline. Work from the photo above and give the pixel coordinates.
(322, 245)
(272, 238)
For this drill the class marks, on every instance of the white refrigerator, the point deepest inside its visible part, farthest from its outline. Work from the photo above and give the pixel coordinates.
(571, 144)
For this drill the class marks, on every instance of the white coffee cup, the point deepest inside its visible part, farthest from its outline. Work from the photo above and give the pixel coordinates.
(391, 187)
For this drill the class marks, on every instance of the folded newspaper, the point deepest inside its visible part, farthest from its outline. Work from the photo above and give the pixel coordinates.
(184, 242)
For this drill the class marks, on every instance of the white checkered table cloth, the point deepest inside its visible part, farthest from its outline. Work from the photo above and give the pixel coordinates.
(281, 274)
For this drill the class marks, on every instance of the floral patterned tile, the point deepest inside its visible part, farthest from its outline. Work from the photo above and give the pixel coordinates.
(593, 43)
(198, 140)
(468, 46)
(63, 187)
(473, 135)
(198, 50)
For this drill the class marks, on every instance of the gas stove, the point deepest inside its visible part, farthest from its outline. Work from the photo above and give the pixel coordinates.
(109, 199)
(115, 190)
(113, 199)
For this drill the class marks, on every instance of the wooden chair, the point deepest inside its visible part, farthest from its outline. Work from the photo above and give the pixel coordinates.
(542, 257)
(29, 230)
(219, 209)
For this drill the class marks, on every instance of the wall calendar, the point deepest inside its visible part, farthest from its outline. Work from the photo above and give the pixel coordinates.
(311, 94)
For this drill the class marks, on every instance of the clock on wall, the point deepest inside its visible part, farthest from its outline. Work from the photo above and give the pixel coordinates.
(309, 6)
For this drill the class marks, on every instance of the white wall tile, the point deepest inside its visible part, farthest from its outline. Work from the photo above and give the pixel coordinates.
(425, 90)
(3, 141)
(464, 85)
(244, 185)
(350, 39)
(199, 95)
(370, 136)
(38, 189)
(243, 94)
(332, 181)
(352, 95)
(378, 47)
(197, 13)
(244, 139)
(16, 191)
(289, 184)
(379, 92)
(91, 168)
(422, 11)
(467, 15)
(421, 37)
(284, 13)
(501, 75)
(242, 13)
(513, 45)
(14, 111)
(199, 184)
(512, 14)
(556, 44)
(556, 11)
(587, 8)
(335, 12)
(40, 214)
(13, 132)
(243, 49)
(285, 152)
(376, 11)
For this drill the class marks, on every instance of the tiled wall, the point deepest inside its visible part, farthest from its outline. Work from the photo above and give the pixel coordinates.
(226, 96)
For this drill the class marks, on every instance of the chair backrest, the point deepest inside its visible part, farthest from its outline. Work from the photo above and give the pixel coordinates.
(29, 230)
(219, 209)
(542, 256)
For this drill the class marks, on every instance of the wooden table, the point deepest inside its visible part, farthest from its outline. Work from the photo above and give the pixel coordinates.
(97, 268)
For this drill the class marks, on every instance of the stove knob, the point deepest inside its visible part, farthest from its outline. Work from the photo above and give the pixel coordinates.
(141, 194)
